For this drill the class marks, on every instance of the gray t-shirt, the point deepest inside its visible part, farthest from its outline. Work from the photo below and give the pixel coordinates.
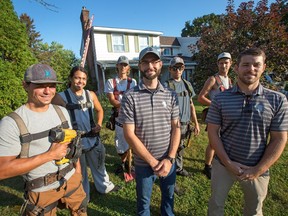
(35, 122)
(184, 100)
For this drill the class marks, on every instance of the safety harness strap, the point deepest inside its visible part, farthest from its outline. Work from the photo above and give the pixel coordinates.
(23, 133)
(72, 113)
(26, 137)
(220, 83)
(116, 92)
(72, 106)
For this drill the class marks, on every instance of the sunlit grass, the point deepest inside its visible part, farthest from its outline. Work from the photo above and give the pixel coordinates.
(193, 202)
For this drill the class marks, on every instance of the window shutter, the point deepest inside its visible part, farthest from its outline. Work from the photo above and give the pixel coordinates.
(109, 42)
(126, 43)
(150, 41)
(136, 42)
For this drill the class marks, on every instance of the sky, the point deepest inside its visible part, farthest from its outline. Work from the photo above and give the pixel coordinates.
(63, 24)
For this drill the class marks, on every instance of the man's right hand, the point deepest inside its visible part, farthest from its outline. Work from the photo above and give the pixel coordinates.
(58, 151)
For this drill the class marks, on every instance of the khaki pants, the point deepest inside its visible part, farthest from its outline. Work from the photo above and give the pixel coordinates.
(72, 201)
(222, 180)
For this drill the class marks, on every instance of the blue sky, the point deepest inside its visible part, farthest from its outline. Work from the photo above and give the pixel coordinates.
(165, 16)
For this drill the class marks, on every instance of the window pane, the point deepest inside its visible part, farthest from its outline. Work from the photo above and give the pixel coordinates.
(167, 52)
(143, 42)
(118, 43)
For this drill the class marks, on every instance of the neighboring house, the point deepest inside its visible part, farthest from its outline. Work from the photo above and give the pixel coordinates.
(107, 44)
(177, 46)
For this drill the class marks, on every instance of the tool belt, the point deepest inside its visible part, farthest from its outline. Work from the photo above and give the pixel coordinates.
(48, 179)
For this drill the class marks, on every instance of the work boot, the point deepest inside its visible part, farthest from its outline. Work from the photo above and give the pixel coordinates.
(120, 169)
(116, 188)
(183, 172)
(207, 170)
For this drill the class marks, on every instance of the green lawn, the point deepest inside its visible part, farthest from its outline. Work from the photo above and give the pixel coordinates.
(197, 187)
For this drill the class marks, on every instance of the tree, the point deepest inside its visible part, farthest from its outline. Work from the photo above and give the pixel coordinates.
(61, 60)
(195, 28)
(249, 26)
(16, 57)
(14, 60)
(34, 36)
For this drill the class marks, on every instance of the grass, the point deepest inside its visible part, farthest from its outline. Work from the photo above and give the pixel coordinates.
(197, 187)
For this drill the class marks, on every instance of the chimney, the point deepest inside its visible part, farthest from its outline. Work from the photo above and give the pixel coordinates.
(84, 18)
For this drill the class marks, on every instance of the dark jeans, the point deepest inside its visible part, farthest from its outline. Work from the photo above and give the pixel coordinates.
(145, 179)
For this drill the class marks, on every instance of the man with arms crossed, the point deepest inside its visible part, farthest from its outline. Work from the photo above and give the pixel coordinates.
(246, 116)
(150, 117)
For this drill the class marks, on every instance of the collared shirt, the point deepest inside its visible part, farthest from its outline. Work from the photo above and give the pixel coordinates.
(246, 121)
(151, 112)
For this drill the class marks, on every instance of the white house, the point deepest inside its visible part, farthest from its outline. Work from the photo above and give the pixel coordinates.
(107, 44)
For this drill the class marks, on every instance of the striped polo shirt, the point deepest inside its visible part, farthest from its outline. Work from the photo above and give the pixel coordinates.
(247, 120)
(151, 112)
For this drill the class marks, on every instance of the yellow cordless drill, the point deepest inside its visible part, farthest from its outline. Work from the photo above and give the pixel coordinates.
(61, 135)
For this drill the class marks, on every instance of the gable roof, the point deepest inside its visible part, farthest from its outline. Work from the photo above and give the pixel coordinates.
(169, 41)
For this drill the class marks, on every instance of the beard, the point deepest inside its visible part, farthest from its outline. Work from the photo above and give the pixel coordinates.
(151, 77)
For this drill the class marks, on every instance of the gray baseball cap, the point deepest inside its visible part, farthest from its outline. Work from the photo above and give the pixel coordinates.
(224, 55)
(40, 73)
(176, 60)
(148, 50)
(123, 59)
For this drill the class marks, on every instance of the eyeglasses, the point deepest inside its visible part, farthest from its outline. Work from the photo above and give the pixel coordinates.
(247, 105)
(175, 68)
(147, 63)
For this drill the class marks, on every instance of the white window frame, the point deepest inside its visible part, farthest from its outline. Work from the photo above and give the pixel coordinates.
(143, 41)
(118, 43)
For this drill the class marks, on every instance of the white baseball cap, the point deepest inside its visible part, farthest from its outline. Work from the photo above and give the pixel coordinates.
(224, 55)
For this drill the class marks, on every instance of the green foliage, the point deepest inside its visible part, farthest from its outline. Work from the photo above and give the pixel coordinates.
(250, 25)
(21, 47)
(194, 28)
(60, 59)
(193, 202)
(15, 58)
(34, 36)
(12, 95)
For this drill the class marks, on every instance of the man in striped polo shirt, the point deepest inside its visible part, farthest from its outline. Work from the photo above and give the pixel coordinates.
(246, 116)
(150, 117)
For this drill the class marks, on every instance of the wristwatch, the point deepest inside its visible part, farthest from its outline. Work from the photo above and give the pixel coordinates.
(172, 160)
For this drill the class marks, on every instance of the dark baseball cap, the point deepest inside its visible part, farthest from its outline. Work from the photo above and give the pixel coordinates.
(123, 60)
(40, 73)
(148, 50)
(176, 60)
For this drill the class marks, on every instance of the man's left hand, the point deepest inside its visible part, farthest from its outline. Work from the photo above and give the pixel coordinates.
(163, 168)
